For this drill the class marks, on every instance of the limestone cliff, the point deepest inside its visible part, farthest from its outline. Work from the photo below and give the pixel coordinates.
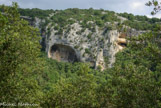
(86, 46)
(96, 44)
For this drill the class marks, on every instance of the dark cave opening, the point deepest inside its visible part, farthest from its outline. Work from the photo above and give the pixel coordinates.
(122, 44)
(63, 53)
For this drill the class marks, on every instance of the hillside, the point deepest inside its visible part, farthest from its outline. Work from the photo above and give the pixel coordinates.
(88, 35)
(87, 59)
(98, 16)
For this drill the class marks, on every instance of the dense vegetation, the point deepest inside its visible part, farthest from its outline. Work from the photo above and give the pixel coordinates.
(19, 58)
(141, 22)
(61, 18)
(27, 75)
(35, 12)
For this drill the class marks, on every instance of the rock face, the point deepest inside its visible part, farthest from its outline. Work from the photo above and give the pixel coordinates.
(84, 40)
(77, 44)
(73, 45)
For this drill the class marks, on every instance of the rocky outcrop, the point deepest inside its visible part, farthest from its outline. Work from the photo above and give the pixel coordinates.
(87, 46)
(78, 44)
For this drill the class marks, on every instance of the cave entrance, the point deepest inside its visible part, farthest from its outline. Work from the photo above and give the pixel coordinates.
(63, 53)
(122, 44)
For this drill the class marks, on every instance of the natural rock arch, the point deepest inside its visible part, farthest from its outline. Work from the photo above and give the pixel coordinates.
(63, 53)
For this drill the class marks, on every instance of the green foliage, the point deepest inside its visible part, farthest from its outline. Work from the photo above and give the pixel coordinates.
(106, 59)
(155, 4)
(76, 47)
(35, 12)
(109, 27)
(19, 60)
(70, 16)
(99, 68)
(89, 36)
(87, 51)
(29, 76)
(130, 86)
(60, 32)
(142, 25)
(136, 70)
(56, 28)
(99, 23)
(141, 22)
(74, 93)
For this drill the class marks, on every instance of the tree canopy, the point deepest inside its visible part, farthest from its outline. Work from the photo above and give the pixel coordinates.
(19, 58)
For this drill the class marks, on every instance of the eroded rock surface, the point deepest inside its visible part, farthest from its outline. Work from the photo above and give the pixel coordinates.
(75, 43)
(87, 46)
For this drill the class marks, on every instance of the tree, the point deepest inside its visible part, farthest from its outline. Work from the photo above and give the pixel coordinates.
(19, 58)
(79, 92)
(156, 6)
(135, 74)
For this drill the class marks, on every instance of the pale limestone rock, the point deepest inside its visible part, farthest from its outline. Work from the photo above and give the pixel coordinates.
(101, 44)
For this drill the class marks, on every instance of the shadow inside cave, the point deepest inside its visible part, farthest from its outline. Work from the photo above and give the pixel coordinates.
(63, 53)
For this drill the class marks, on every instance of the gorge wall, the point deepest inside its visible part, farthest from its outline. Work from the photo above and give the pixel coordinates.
(75, 43)
(97, 48)
(87, 35)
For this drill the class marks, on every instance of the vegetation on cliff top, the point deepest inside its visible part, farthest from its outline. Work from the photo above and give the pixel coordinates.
(61, 18)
